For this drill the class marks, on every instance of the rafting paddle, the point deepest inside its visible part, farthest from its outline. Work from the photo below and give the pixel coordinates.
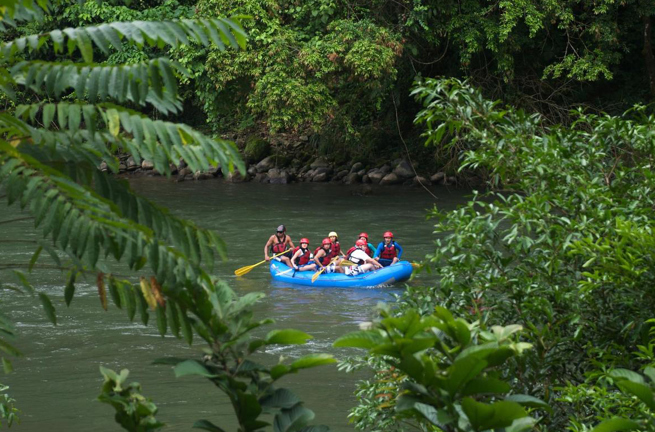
(318, 273)
(243, 270)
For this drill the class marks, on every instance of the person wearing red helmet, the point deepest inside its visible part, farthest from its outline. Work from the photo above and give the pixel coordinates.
(363, 262)
(324, 254)
(303, 258)
(278, 243)
(388, 251)
(370, 250)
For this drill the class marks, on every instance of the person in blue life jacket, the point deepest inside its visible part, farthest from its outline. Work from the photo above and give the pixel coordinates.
(388, 251)
(303, 258)
(363, 262)
(324, 254)
(278, 243)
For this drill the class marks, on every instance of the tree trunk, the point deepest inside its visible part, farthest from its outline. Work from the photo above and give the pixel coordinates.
(648, 54)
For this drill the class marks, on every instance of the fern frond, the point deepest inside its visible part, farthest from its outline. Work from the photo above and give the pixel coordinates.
(220, 31)
(153, 82)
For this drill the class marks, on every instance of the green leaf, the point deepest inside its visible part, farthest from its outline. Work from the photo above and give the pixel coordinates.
(161, 320)
(529, 401)
(437, 417)
(628, 375)
(288, 420)
(642, 391)
(280, 398)
(69, 291)
(35, 257)
(616, 424)
(287, 337)
(360, 339)
(279, 371)
(48, 308)
(7, 366)
(207, 425)
(312, 360)
(23, 280)
(486, 386)
(484, 416)
(192, 367)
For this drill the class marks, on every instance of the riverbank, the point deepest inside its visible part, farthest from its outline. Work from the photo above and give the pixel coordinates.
(275, 170)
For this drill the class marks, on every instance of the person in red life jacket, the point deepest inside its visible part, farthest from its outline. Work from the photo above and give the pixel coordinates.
(336, 246)
(388, 251)
(370, 250)
(324, 254)
(278, 243)
(363, 262)
(302, 259)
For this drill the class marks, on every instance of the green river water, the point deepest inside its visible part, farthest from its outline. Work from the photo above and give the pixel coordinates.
(56, 382)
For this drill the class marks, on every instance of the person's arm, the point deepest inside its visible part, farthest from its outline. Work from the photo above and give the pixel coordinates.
(400, 251)
(378, 251)
(293, 258)
(290, 243)
(318, 256)
(266, 247)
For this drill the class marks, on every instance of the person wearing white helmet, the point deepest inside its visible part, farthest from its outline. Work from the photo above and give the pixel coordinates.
(336, 246)
(278, 243)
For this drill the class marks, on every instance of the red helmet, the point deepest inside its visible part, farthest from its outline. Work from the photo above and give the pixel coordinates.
(326, 241)
(388, 234)
(363, 235)
(361, 242)
(304, 240)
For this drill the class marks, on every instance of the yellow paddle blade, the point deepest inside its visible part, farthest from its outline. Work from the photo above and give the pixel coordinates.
(346, 263)
(243, 270)
(317, 274)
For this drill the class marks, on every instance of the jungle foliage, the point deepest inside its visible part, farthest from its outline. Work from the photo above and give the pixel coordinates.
(68, 115)
(340, 71)
(562, 244)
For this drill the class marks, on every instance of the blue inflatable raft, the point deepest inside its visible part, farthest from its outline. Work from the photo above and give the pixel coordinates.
(398, 272)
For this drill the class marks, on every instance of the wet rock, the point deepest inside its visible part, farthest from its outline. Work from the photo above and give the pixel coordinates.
(452, 180)
(122, 167)
(418, 180)
(180, 178)
(202, 176)
(261, 178)
(256, 149)
(321, 177)
(384, 169)
(277, 176)
(404, 170)
(365, 179)
(173, 168)
(147, 165)
(185, 171)
(103, 166)
(252, 170)
(215, 171)
(352, 178)
(375, 176)
(131, 164)
(340, 175)
(390, 179)
(361, 172)
(235, 177)
(265, 164)
(356, 167)
(320, 162)
(188, 177)
(438, 178)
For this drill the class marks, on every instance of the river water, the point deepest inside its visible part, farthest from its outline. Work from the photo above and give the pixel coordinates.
(56, 382)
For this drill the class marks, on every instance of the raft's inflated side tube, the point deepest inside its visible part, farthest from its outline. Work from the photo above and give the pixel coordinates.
(398, 272)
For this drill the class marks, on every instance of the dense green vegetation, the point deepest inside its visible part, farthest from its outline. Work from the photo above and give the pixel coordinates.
(540, 317)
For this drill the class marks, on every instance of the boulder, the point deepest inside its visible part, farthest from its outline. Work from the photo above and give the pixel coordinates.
(252, 170)
(265, 164)
(185, 171)
(277, 176)
(180, 178)
(390, 179)
(384, 169)
(131, 164)
(321, 170)
(173, 168)
(202, 175)
(261, 178)
(320, 177)
(103, 166)
(352, 178)
(418, 180)
(340, 175)
(438, 178)
(375, 176)
(404, 170)
(256, 149)
(320, 162)
(356, 167)
(452, 180)
(147, 165)
(235, 177)
(121, 167)
(215, 171)
(361, 172)
(365, 179)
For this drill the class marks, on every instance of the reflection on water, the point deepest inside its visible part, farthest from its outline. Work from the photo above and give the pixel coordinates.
(55, 384)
